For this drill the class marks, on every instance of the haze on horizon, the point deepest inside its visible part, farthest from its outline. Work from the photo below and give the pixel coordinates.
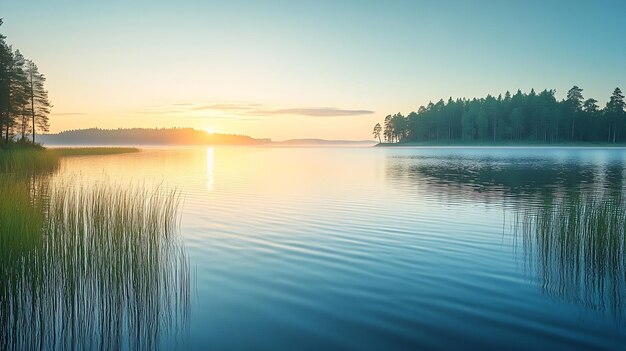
(306, 69)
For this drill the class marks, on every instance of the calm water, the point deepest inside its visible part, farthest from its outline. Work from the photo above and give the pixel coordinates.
(369, 249)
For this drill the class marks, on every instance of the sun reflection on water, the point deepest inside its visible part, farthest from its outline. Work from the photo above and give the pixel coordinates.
(210, 163)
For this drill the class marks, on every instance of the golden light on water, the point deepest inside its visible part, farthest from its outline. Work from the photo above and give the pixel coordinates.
(210, 161)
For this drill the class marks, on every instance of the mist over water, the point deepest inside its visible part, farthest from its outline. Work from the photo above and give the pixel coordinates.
(371, 248)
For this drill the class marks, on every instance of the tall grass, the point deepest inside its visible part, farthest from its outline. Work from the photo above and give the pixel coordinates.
(28, 160)
(577, 245)
(92, 151)
(34, 159)
(90, 267)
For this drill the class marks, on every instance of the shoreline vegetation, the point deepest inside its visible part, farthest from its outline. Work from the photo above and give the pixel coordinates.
(92, 151)
(24, 110)
(519, 119)
(82, 265)
(575, 242)
(28, 158)
(24, 103)
(90, 266)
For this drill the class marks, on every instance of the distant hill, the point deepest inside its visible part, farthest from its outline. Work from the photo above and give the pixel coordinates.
(146, 136)
(321, 142)
(175, 136)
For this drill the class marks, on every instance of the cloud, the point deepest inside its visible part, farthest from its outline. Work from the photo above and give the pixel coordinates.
(189, 108)
(68, 113)
(228, 106)
(247, 111)
(318, 112)
(160, 111)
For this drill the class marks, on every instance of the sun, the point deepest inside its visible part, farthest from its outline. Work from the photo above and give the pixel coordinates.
(210, 130)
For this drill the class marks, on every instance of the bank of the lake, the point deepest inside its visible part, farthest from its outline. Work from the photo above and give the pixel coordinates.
(93, 151)
(37, 158)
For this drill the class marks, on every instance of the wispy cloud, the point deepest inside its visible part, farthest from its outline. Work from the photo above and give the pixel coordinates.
(69, 113)
(228, 106)
(190, 108)
(317, 112)
(244, 110)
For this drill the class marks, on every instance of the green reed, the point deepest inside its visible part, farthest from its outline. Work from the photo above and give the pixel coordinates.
(28, 160)
(93, 151)
(90, 267)
(577, 244)
(37, 159)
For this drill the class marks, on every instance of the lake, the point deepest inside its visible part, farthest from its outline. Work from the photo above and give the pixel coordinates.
(390, 248)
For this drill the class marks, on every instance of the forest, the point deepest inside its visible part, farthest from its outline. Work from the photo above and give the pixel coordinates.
(24, 104)
(518, 118)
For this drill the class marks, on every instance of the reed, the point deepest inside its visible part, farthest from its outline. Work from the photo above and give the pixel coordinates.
(93, 151)
(28, 160)
(90, 267)
(35, 159)
(576, 244)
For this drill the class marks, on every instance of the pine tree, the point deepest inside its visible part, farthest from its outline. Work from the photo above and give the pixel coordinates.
(6, 57)
(615, 112)
(377, 130)
(388, 133)
(39, 105)
(574, 104)
(17, 97)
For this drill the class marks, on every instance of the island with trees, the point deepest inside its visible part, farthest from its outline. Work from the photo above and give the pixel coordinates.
(521, 118)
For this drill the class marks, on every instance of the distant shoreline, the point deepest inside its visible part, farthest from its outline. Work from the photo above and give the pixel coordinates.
(175, 137)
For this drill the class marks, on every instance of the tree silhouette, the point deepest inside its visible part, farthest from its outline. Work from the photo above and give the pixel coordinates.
(388, 133)
(38, 99)
(574, 104)
(521, 117)
(24, 104)
(377, 130)
(615, 112)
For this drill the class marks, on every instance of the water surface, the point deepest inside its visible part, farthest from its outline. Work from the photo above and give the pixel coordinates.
(370, 248)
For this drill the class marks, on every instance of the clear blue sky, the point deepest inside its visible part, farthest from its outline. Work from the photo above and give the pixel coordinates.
(287, 69)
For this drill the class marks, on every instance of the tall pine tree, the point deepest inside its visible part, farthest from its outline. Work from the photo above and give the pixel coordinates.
(39, 105)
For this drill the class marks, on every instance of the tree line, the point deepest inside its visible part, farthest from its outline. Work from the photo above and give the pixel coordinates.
(147, 136)
(522, 117)
(24, 103)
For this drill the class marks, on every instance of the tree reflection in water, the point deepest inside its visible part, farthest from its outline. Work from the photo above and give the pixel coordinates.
(569, 218)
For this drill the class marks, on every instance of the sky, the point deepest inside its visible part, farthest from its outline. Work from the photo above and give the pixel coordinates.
(305, 69)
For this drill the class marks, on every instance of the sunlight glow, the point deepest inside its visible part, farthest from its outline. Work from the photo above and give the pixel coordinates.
(210, 160)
